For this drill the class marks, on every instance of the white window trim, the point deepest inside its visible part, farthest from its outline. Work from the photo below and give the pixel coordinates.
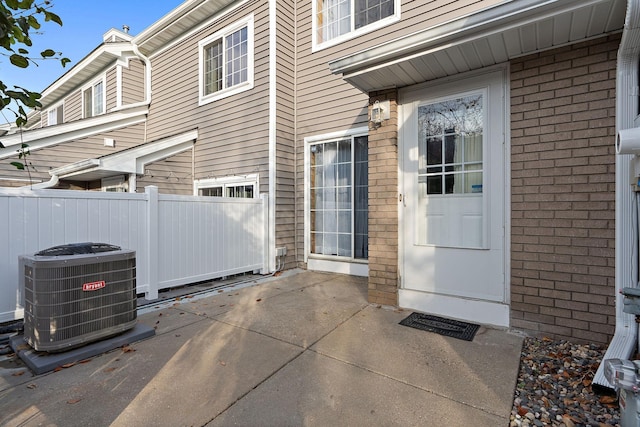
(315, 46)
(227, 181)
(91, 85)
(55, 108)
(308, 256)
(205, 99)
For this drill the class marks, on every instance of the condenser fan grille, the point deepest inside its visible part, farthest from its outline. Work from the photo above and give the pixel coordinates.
(73, 300)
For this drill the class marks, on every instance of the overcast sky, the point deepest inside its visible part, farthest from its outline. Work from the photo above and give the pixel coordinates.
(84, 23)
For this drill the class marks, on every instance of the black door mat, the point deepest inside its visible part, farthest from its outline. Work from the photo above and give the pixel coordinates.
(440, 325)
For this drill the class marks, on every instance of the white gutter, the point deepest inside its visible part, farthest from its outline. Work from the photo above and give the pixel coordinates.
(625, 337)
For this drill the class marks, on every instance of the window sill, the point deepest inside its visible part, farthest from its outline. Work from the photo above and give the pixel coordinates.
(316, 47)
(339, 265)
(203, 100)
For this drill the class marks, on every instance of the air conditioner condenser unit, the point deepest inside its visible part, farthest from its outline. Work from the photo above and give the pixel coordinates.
(76, 294)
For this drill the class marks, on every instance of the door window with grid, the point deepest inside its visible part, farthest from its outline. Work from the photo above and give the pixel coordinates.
(450, 172)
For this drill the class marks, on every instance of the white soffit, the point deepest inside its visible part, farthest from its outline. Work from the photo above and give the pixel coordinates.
(487, 37)
(178, 22)
(89, 67)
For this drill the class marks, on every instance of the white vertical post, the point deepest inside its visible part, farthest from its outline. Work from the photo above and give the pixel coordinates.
(152, 241)
(265, 234)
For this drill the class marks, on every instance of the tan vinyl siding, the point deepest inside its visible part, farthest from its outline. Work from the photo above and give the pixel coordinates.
(73, 107)
(63, 154)
(285, 131)
(133, 82)
(111, 89)
(233, 131)
(171, 175)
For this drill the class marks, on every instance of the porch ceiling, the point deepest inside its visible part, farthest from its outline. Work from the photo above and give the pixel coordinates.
(486, 38)
(132, 160)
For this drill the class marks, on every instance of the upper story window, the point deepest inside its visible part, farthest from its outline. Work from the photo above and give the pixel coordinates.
(338, 20)
(55, 115)
(93, 99)
(226, 61)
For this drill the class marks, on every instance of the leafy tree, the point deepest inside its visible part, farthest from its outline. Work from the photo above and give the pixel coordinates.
(19, 20)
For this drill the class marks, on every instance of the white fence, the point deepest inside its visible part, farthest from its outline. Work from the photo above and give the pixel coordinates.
(178, 239)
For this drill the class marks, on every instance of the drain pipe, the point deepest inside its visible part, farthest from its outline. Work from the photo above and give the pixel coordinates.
(625, 337)
(47, 184)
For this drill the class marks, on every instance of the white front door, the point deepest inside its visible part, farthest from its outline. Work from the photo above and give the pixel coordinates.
(453, 181)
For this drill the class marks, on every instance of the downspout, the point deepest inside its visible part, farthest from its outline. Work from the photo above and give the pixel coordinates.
(47, 184)
(625, 336)
(147, 82)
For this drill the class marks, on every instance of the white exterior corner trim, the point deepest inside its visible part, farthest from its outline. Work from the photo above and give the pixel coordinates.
(273, 52)
(625, 337)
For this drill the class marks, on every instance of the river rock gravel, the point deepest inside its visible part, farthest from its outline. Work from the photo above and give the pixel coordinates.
(554, 386)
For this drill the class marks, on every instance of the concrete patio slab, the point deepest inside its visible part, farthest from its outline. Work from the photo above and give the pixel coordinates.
(300, 317)
(311, 351)
(481, 373)
(316, 390)
(179, 378)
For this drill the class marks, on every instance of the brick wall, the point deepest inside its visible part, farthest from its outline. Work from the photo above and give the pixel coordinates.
(563, 191)
(383, 204)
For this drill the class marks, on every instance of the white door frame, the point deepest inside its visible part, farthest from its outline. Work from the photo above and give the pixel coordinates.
(485, 312)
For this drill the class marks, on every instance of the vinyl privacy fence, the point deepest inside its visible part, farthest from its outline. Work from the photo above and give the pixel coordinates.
(178, 239)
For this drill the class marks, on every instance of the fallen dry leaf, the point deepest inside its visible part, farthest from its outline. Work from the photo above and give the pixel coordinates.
(73, 401)
(607, 399)
(57, 369)
(32, 386)
(220, 291)
(111, 369)
(17, 374)
(85, 361)
(127, 349)
(586, 382)
(522, 411)
(222, 363)
(178, 298)
(189, 296)
(68, 365)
